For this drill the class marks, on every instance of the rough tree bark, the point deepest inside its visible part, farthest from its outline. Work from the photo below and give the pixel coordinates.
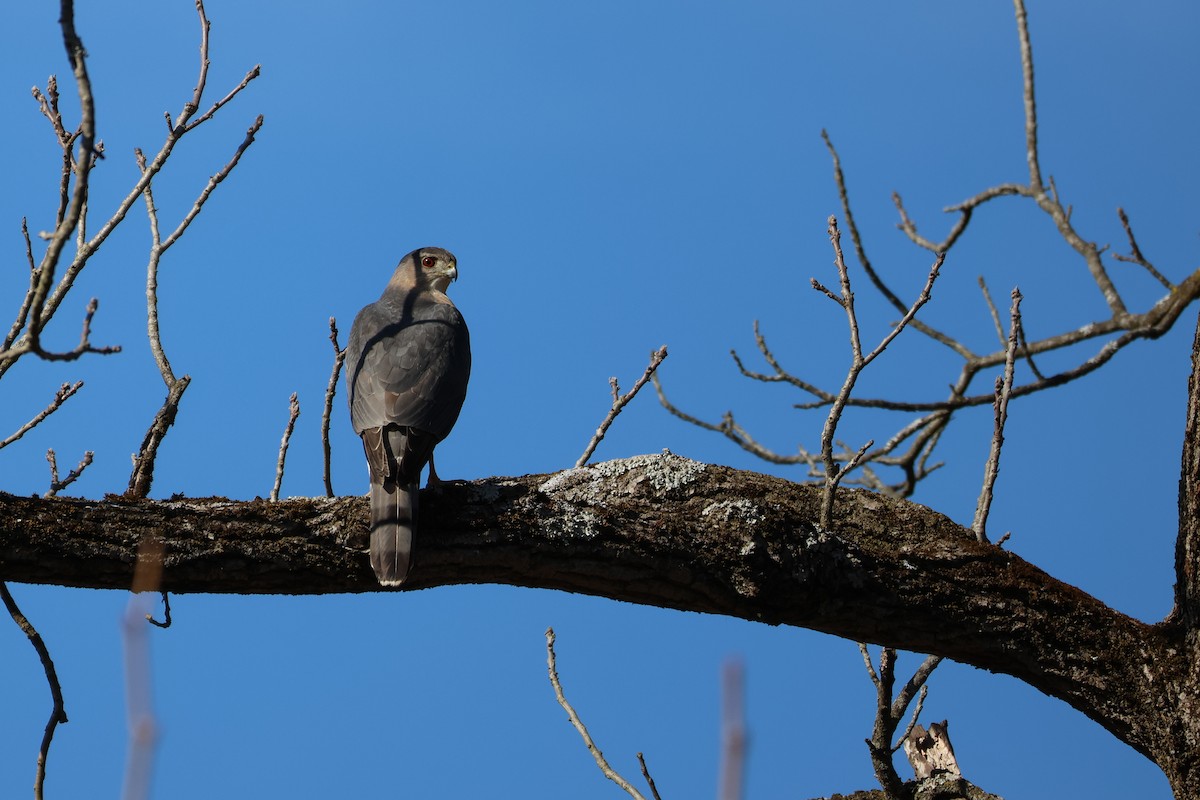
(666, 531)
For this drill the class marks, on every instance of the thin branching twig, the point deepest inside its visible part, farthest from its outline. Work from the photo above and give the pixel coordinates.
(646, 774)
(620, 401)
(910, 449)
(834, 471)
(64, 393)
(577, 723)
(890, 711)
(57, 485)
(142, 475)
(339, 358)
(293, 414)
(1004, 386)
(1135, 253)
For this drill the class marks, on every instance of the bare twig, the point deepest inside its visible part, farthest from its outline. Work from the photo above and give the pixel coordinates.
(879, 744)
(142, 476)
(889, 712)
(1031, 128)
(34, 344)
(77, 55)
(1049, 202)
(1004, 387)
(1135, 253)
(608, 771)
(339, 358)
(916, 714)
(212, 184)
(987, 297)
(646, 774)
(64, 393)
(858, 362)
(293, 413)
(620, 401)
(58, 712)
(57, 485)
(143, 472)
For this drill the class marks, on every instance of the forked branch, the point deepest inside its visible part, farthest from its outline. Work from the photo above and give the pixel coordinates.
(910, 449)
(620, 401)
(577, 723)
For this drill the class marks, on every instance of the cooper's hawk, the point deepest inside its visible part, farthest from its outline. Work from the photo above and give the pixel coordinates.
(407, 365)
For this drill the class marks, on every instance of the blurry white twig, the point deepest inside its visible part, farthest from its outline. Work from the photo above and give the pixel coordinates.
(139, 684)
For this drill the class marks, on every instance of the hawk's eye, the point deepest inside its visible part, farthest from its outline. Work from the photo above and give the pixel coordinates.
(428, 261)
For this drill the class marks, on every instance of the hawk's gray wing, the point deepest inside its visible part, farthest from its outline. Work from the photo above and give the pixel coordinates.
(408, 361)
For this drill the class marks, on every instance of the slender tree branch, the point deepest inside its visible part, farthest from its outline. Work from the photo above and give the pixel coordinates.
(987, 296)
(1135, 253)
(1004, 387)
(57, 485)
(64, 393)
(646, 774)
(213, 182)
(620, 401)
(1031, 126)
(293, 414)
(42, 303)
(861, 252)
(889, 712)
(142, 476)
(879, 743)
(58, 712)
(339, 358)
(577, 723)
(858, 362)
(912, 721)
(41, 307)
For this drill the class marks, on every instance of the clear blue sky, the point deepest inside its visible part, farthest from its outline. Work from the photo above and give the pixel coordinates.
(612, 177)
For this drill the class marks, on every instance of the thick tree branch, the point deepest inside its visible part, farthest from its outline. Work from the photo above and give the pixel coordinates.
(663, 531)
(1187, 546)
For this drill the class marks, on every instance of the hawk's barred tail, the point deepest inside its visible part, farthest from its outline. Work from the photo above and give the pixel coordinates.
(393, 517)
